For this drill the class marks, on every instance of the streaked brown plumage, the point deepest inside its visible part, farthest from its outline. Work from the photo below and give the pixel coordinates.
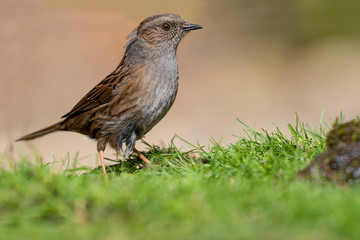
(136, 95)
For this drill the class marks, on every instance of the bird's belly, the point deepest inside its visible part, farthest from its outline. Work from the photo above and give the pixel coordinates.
(162, 100)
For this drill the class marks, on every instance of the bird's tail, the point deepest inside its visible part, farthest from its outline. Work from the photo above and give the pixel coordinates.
(42, 132)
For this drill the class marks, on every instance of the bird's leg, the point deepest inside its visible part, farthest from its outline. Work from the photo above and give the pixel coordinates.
(145, 160)
(101, 153)
(101, 144)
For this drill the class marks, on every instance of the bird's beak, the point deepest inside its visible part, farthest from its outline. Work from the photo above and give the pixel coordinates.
(189, 27)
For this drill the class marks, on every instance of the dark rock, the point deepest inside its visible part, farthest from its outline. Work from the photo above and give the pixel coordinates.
(341, 161)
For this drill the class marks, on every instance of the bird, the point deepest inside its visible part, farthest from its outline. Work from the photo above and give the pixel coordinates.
(133, 98)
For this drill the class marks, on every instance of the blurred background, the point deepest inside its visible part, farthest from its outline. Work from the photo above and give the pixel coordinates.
(258, 60)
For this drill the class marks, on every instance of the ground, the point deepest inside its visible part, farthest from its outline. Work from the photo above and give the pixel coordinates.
(247, 190)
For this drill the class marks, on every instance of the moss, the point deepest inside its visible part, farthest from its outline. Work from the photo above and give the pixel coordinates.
(344, 134)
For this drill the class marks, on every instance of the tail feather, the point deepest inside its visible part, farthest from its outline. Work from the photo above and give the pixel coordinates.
(42, 132)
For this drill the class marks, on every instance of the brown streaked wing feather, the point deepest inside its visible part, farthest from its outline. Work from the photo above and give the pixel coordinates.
(99, 95)
(128, 92)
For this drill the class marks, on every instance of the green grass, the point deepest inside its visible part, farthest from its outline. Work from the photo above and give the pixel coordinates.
(245, 190)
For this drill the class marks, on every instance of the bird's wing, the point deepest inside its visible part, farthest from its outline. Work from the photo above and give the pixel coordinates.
(99, 95)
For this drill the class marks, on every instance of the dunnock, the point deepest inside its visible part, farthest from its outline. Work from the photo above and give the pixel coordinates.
(132, 99)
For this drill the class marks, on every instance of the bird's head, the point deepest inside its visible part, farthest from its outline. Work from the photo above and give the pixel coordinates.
(163, 29)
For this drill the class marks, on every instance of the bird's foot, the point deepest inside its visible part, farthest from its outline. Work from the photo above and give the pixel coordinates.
(141, 166)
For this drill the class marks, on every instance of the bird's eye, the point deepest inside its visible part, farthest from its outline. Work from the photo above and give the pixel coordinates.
(166, 26)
